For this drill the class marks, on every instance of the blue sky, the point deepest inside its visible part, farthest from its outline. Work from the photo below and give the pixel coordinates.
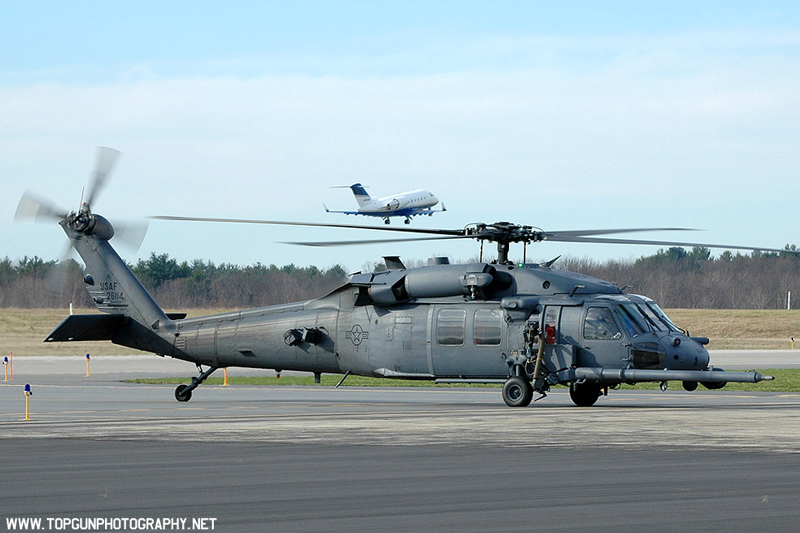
(562, 115)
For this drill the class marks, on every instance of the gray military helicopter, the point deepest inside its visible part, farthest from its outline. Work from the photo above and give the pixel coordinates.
(527, 326)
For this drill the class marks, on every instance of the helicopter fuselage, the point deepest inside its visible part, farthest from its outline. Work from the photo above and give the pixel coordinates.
(527, 326)
(470, 335)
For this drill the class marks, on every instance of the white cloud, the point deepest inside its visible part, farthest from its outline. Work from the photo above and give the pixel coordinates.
(560, 132)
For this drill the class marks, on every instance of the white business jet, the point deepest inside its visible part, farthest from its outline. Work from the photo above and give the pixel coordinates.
(406, 204)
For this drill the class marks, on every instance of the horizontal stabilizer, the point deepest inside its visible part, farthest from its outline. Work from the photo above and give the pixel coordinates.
(87, 328)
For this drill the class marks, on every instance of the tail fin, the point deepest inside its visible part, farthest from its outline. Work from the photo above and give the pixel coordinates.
(138, 321)
(112, 285)
(361, 194)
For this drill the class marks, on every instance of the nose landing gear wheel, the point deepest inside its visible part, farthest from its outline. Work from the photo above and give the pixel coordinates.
(517, 392)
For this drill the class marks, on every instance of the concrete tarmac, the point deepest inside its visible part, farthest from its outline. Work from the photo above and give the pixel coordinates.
(147, 365)
(315, 458)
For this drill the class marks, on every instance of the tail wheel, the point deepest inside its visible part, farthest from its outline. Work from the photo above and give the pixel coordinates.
(517, 392)
(183, 395)
(584, 394)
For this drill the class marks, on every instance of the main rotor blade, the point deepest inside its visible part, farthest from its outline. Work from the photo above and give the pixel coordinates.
(429, 231)
(583, 233)
(104, 163)
(307, 224)
(32, 208)
(377, 241)
(577, 236)
(602, 240)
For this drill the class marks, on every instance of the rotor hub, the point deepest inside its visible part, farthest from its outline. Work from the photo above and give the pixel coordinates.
(505, 232)
(80, 221)
(85, 223)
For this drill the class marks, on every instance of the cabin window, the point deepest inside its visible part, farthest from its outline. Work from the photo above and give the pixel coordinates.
(600, 325)
(488, 327)
(450, 327)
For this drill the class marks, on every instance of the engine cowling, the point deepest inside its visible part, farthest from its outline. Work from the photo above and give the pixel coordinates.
(440, 281)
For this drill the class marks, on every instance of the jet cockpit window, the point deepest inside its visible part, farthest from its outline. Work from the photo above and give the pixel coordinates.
(600, 325)
(450, 326)
(633, 322)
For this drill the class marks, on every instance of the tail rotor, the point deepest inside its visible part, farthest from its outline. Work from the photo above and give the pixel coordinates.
(34, 208)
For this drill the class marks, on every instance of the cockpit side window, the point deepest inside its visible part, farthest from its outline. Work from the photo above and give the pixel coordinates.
(600, 325)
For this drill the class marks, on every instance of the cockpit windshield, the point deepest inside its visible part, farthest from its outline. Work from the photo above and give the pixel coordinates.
(655, 321)
(633, 321)
(662, 317)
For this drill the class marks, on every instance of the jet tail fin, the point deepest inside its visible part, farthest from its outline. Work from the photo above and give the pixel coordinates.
(360, 193)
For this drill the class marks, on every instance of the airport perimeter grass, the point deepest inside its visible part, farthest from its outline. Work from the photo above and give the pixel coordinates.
(23, 331)
(786, 380)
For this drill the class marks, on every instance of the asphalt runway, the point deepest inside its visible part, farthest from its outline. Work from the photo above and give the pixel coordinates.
(316, 458)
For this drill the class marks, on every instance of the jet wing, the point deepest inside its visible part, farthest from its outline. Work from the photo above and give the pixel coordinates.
(344, 212)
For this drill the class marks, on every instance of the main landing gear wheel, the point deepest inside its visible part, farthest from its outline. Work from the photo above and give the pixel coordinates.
(584, 394)
(517, 392)
(183, 395)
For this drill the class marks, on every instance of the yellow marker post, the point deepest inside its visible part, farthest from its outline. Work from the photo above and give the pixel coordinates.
(87, 365)
(225, 383)
(5, 367)
(792, 343)
(28, 394)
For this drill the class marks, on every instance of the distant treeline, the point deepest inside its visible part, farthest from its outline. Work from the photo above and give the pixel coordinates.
(693, 279)
(675, 278)
(35, 283)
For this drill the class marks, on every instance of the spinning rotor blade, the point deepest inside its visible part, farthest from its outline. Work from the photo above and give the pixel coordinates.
(56, 280)
(31, 208)
(377, 241)
(105, 160)
(306, 224)
(130, 233)
(602, 240)
(585, 233)
(500, 232)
